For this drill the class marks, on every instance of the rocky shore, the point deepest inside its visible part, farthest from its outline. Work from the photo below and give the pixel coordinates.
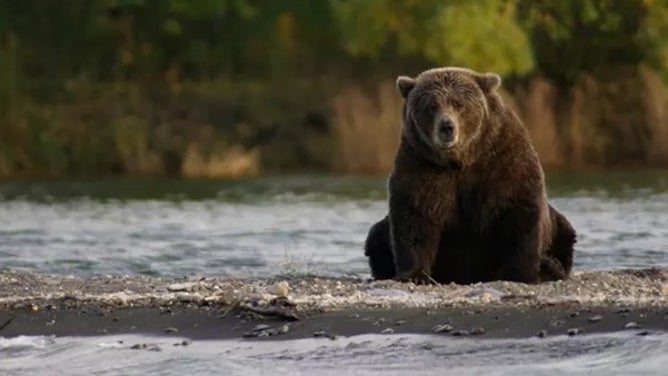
(308, 306)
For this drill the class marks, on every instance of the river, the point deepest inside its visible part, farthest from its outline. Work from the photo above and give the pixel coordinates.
(302, 225)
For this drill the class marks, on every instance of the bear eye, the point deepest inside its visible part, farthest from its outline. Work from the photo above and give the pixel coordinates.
(456, 104)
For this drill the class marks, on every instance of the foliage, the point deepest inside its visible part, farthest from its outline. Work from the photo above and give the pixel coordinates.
(481, 34)
(574, 36)
(134, 86)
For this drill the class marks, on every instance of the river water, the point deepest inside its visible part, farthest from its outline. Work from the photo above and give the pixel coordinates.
(608, 354)
(302, 225)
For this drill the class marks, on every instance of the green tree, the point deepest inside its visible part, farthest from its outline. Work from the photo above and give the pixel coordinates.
(481, 34)
(574, 36)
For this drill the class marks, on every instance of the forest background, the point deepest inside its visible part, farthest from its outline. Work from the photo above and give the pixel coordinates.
(229, 88)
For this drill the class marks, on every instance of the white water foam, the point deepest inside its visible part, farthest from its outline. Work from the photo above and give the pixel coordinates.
(600, 354)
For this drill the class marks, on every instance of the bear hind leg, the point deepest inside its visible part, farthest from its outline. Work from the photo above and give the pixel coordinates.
(378, 248)
(558, 262)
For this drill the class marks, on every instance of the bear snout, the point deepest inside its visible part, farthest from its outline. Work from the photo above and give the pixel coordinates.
(445, 131)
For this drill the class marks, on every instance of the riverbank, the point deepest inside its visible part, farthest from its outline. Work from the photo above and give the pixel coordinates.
(301, 307)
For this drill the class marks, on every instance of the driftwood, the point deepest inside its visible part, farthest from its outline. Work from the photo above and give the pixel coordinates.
(278, 307)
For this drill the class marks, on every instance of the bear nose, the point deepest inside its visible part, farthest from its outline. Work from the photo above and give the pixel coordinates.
(446, 128)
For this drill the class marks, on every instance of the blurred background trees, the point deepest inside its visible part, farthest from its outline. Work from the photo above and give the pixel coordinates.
(239, 87)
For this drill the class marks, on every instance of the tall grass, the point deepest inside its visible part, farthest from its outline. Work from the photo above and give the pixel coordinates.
(94, 139)
(615, 123)
(231, 161)
(656, 107)
(535, 105)
(368, 125)
(621, 121)
(222, 128)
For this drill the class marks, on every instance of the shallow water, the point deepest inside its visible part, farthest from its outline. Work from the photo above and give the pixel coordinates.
(610, 354)
(287, 225)
(298, 225)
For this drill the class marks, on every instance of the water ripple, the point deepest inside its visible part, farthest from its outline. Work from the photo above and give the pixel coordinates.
(85, 236)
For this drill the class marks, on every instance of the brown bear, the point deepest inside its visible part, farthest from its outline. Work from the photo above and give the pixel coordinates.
(467, 198)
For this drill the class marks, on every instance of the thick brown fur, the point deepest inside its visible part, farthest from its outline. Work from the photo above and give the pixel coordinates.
(467, 199)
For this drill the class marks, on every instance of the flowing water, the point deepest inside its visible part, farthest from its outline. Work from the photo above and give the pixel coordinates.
(606, 354)
(299, 225)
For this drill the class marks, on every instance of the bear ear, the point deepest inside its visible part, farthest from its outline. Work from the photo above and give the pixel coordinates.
(405, 84)
(488, 81)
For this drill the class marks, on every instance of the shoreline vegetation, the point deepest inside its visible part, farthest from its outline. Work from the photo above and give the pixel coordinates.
(248, 88)
(308, 306)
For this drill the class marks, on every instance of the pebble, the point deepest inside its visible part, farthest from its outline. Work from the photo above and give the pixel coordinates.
(190, 298)
(486, 293)
(379, 321)
(557, 322)
(477, 331)
(631, 325)
(281, 288)
(387, 331)
(170, 329)
(322, 333)
(595, 318)
(445, 328)
(282, 329)
(643, 333)
(394, 293)
(460, 333)
(144, 346)
(623, 310)
(261, 327)
(400, 322)
(263, 330)
(573, 331)
(542, 334)
(186, 286)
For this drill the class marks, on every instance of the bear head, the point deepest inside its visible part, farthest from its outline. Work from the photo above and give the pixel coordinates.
(445, 110)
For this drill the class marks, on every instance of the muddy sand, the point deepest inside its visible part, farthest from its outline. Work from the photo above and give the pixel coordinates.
(308, 306)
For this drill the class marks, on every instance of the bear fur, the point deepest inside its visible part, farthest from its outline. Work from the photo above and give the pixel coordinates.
(467, 198)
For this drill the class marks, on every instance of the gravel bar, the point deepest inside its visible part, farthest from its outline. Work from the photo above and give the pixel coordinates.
(299, 306)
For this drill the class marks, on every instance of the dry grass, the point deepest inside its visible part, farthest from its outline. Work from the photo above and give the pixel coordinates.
(222, 162)
(620, 121)
(597, 123)
(131, 140)
(535, 105)
(656, 107)
(585, 146)
(368, 127)
(206, 155)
